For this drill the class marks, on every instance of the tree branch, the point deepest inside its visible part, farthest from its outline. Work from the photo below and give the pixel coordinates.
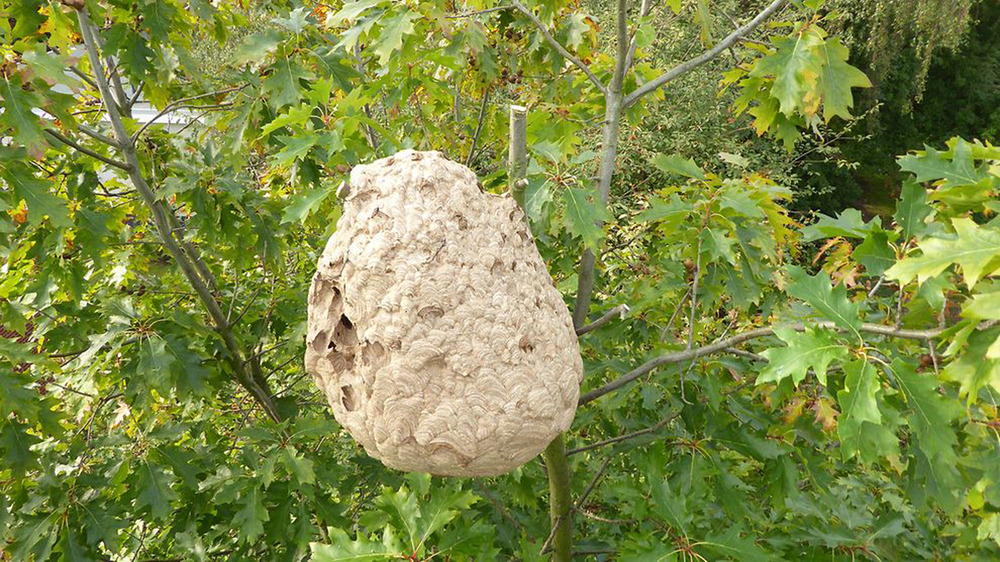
(560, 500)
(708, 55)
(634, 43)
(251, 381)
(724, 344)
(73, 144)
(622, 45)
(83, 76)
(558, 47)
(617, 312)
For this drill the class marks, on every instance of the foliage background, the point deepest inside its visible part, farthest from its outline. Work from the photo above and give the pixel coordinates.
(128, 434)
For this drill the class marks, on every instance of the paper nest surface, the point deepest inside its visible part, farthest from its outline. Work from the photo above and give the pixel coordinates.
(435, 330)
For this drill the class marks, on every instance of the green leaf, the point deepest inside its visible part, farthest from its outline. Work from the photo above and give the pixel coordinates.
(989, 528)
(403, 504)
(536, 195)
(255, 47)
(343, 549)
(704, 18)
(17, 116)
(813, 348)
(671, 507)
(283, 85)
(932, 415)
(912, 209)
(154, 490)
(668, 214)
(675, 164)
(71, 547)
(857, 400)
(394, 29)
(734, 159)
(50, 67)
(303, 204)
(575, 29)
(832, 303)
(583, 212)
(36, 536)
(296, 21)
(932, 165)
(134, 50)
(984, 306)
(848, 224)
(351, 11)
(836, 80)
(976, 249)
(252, 515)
(299, 467)
(296, 147)
(442, 508)
(25, 15)
(874, 253)
(159, 18)
(730, 544)
(739, 200)
(293, 116)
(15, 443)
(972, 370)
(186, 370)
(155, 364)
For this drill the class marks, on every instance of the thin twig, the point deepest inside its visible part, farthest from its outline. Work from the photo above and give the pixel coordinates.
(479, 12)
(746, 354)
(651, 429)
(479, 127)
(593, 483)
(181, 104)
(83, 76)
(724, 344)
(548, 541)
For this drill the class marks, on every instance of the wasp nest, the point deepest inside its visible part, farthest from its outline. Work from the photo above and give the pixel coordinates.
(435, 330)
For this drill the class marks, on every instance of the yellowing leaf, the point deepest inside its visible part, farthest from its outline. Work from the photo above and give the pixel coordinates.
(36, 193)
(796, 67)
(836, 80)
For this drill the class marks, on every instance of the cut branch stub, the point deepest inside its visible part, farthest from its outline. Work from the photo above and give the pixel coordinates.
(435, 330)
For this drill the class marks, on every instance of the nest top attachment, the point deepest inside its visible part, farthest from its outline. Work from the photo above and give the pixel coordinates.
(435, 330)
